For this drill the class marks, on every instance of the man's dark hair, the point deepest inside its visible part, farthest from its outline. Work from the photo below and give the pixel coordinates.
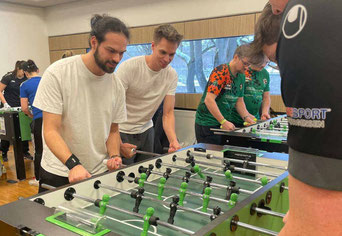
(29, 66)
(168, 32)
(103, 24)
(267, 29)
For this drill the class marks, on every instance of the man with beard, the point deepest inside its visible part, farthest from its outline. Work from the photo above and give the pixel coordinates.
(148, 80)
(223, 92)
(82, 104)
(304, 44)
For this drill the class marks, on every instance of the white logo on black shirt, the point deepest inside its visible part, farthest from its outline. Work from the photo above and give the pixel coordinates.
(295, 21)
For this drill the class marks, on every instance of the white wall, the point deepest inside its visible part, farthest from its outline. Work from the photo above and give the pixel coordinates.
(25, 29)
(75, 17)
(23, 36)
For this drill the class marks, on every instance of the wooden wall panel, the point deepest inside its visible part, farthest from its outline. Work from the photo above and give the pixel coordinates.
(79, 41)
(220, 27)
(188, 100)
(60, 42)
(232, 26)
(141, 35)
(277, 103)
(66, 42)
(56, 55)
(197, 29)
(180, 100)
(257, 15)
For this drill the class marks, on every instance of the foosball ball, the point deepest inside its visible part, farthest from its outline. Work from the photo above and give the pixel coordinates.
(195, 191)
(269, 135)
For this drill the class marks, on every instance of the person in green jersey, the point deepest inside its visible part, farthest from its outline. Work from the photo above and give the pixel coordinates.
(223, 92)
(256, 91)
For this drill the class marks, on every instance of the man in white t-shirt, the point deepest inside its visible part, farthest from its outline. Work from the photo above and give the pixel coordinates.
(148, 80)
(82, 104)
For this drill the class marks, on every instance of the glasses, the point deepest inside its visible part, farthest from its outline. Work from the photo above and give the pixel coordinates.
(245, 62)
(273, 65)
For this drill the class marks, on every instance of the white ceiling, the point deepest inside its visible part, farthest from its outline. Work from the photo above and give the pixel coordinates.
(39, 3)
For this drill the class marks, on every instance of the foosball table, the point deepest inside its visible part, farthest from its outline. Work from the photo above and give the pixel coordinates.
(269, 135)
(198, 190)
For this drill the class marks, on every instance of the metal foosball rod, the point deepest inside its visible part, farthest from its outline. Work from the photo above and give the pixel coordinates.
(46, 186)
(262, 181)
(268, 212)
(196, 169)
(193, 169)
(145, 153)
(98, 184)
(186, 178)
(235, 222)
(70, 194)
(192, 160)
(121, 175)
(211, 156)
(231, 188)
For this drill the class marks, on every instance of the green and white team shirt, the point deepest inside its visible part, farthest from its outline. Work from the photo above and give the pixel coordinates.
(256, 84)
(227, 89)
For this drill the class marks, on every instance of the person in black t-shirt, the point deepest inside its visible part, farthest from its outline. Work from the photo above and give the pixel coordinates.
(306, 45)
(10, 97)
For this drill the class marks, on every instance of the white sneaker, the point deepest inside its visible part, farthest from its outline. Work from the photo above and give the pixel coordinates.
(34, 182)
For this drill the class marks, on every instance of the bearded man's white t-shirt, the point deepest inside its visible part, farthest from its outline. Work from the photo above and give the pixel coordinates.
(88, 104)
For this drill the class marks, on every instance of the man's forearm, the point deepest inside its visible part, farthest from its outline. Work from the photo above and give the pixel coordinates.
(27, 112)
(57, 145)
(113, 142)
(169, 127)
(241, 108)
(265, 106)
(2, 98)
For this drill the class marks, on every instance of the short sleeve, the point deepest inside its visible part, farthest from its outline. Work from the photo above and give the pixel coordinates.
(123, 73)
(217, 79)
(267, 77)
(23, 90)
(6, 79)
(49, 94)
(119, 109)
(173, 85)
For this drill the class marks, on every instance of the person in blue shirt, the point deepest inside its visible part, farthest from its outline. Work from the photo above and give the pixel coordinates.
(28, 91)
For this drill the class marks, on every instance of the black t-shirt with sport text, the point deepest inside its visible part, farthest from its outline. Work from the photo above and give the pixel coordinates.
(309, 56)
(12, 90)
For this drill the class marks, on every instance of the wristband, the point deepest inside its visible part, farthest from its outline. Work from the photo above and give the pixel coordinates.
(222, 121)
(72, 162)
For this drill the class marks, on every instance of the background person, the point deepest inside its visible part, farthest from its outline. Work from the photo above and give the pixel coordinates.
(10, 97)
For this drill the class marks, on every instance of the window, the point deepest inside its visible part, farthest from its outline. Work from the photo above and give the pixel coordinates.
(195, 59)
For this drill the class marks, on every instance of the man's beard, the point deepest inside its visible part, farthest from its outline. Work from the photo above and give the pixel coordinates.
(102, 64)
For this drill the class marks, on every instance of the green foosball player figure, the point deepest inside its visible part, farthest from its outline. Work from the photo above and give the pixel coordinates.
(146, 218)
(142, 180)
(103, 203)
(206, 198)
(161, 186)
(198, 170)
(182, 193)
(233, 200)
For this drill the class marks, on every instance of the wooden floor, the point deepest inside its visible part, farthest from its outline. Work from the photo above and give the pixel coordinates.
(11, 192)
